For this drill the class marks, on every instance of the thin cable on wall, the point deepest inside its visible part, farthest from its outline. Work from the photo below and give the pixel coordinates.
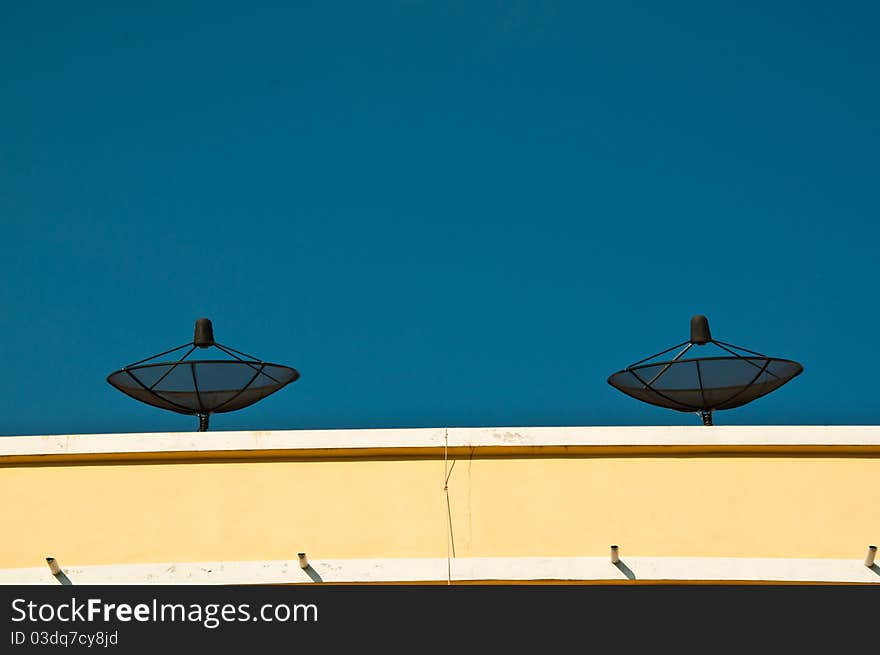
(450, 535)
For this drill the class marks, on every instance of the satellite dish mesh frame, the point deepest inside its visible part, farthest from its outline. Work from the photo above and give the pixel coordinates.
(700, 336)
(232, 400)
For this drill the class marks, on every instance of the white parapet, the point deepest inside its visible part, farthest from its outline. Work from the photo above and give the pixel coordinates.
(634, 569)
(303, 443)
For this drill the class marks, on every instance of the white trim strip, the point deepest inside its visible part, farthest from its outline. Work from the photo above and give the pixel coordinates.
(418, 570)
(302, 441)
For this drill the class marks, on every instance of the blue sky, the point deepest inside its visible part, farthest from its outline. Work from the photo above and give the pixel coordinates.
(440, 213)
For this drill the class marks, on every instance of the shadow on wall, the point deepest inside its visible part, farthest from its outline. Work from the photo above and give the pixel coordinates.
(57, 572)
(623, 568)
(309, 571)
(312, 573)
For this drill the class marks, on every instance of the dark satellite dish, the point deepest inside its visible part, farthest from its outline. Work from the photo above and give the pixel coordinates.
(704, 384)
(201, 387)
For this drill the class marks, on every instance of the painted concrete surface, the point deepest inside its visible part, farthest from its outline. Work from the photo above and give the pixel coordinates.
(443, 571)
(472, 495)
(292, 442)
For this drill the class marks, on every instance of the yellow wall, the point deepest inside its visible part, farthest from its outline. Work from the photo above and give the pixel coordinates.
(705, 506)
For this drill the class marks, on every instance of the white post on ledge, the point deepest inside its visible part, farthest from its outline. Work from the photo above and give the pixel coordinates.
(869, 557)
(615, 554)
(57, 572)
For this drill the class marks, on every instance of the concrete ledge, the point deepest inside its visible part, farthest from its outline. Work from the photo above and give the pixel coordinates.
(599, 570)
(439, 442)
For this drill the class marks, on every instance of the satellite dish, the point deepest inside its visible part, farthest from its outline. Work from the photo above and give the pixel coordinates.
(704, 384)
(201, 387)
